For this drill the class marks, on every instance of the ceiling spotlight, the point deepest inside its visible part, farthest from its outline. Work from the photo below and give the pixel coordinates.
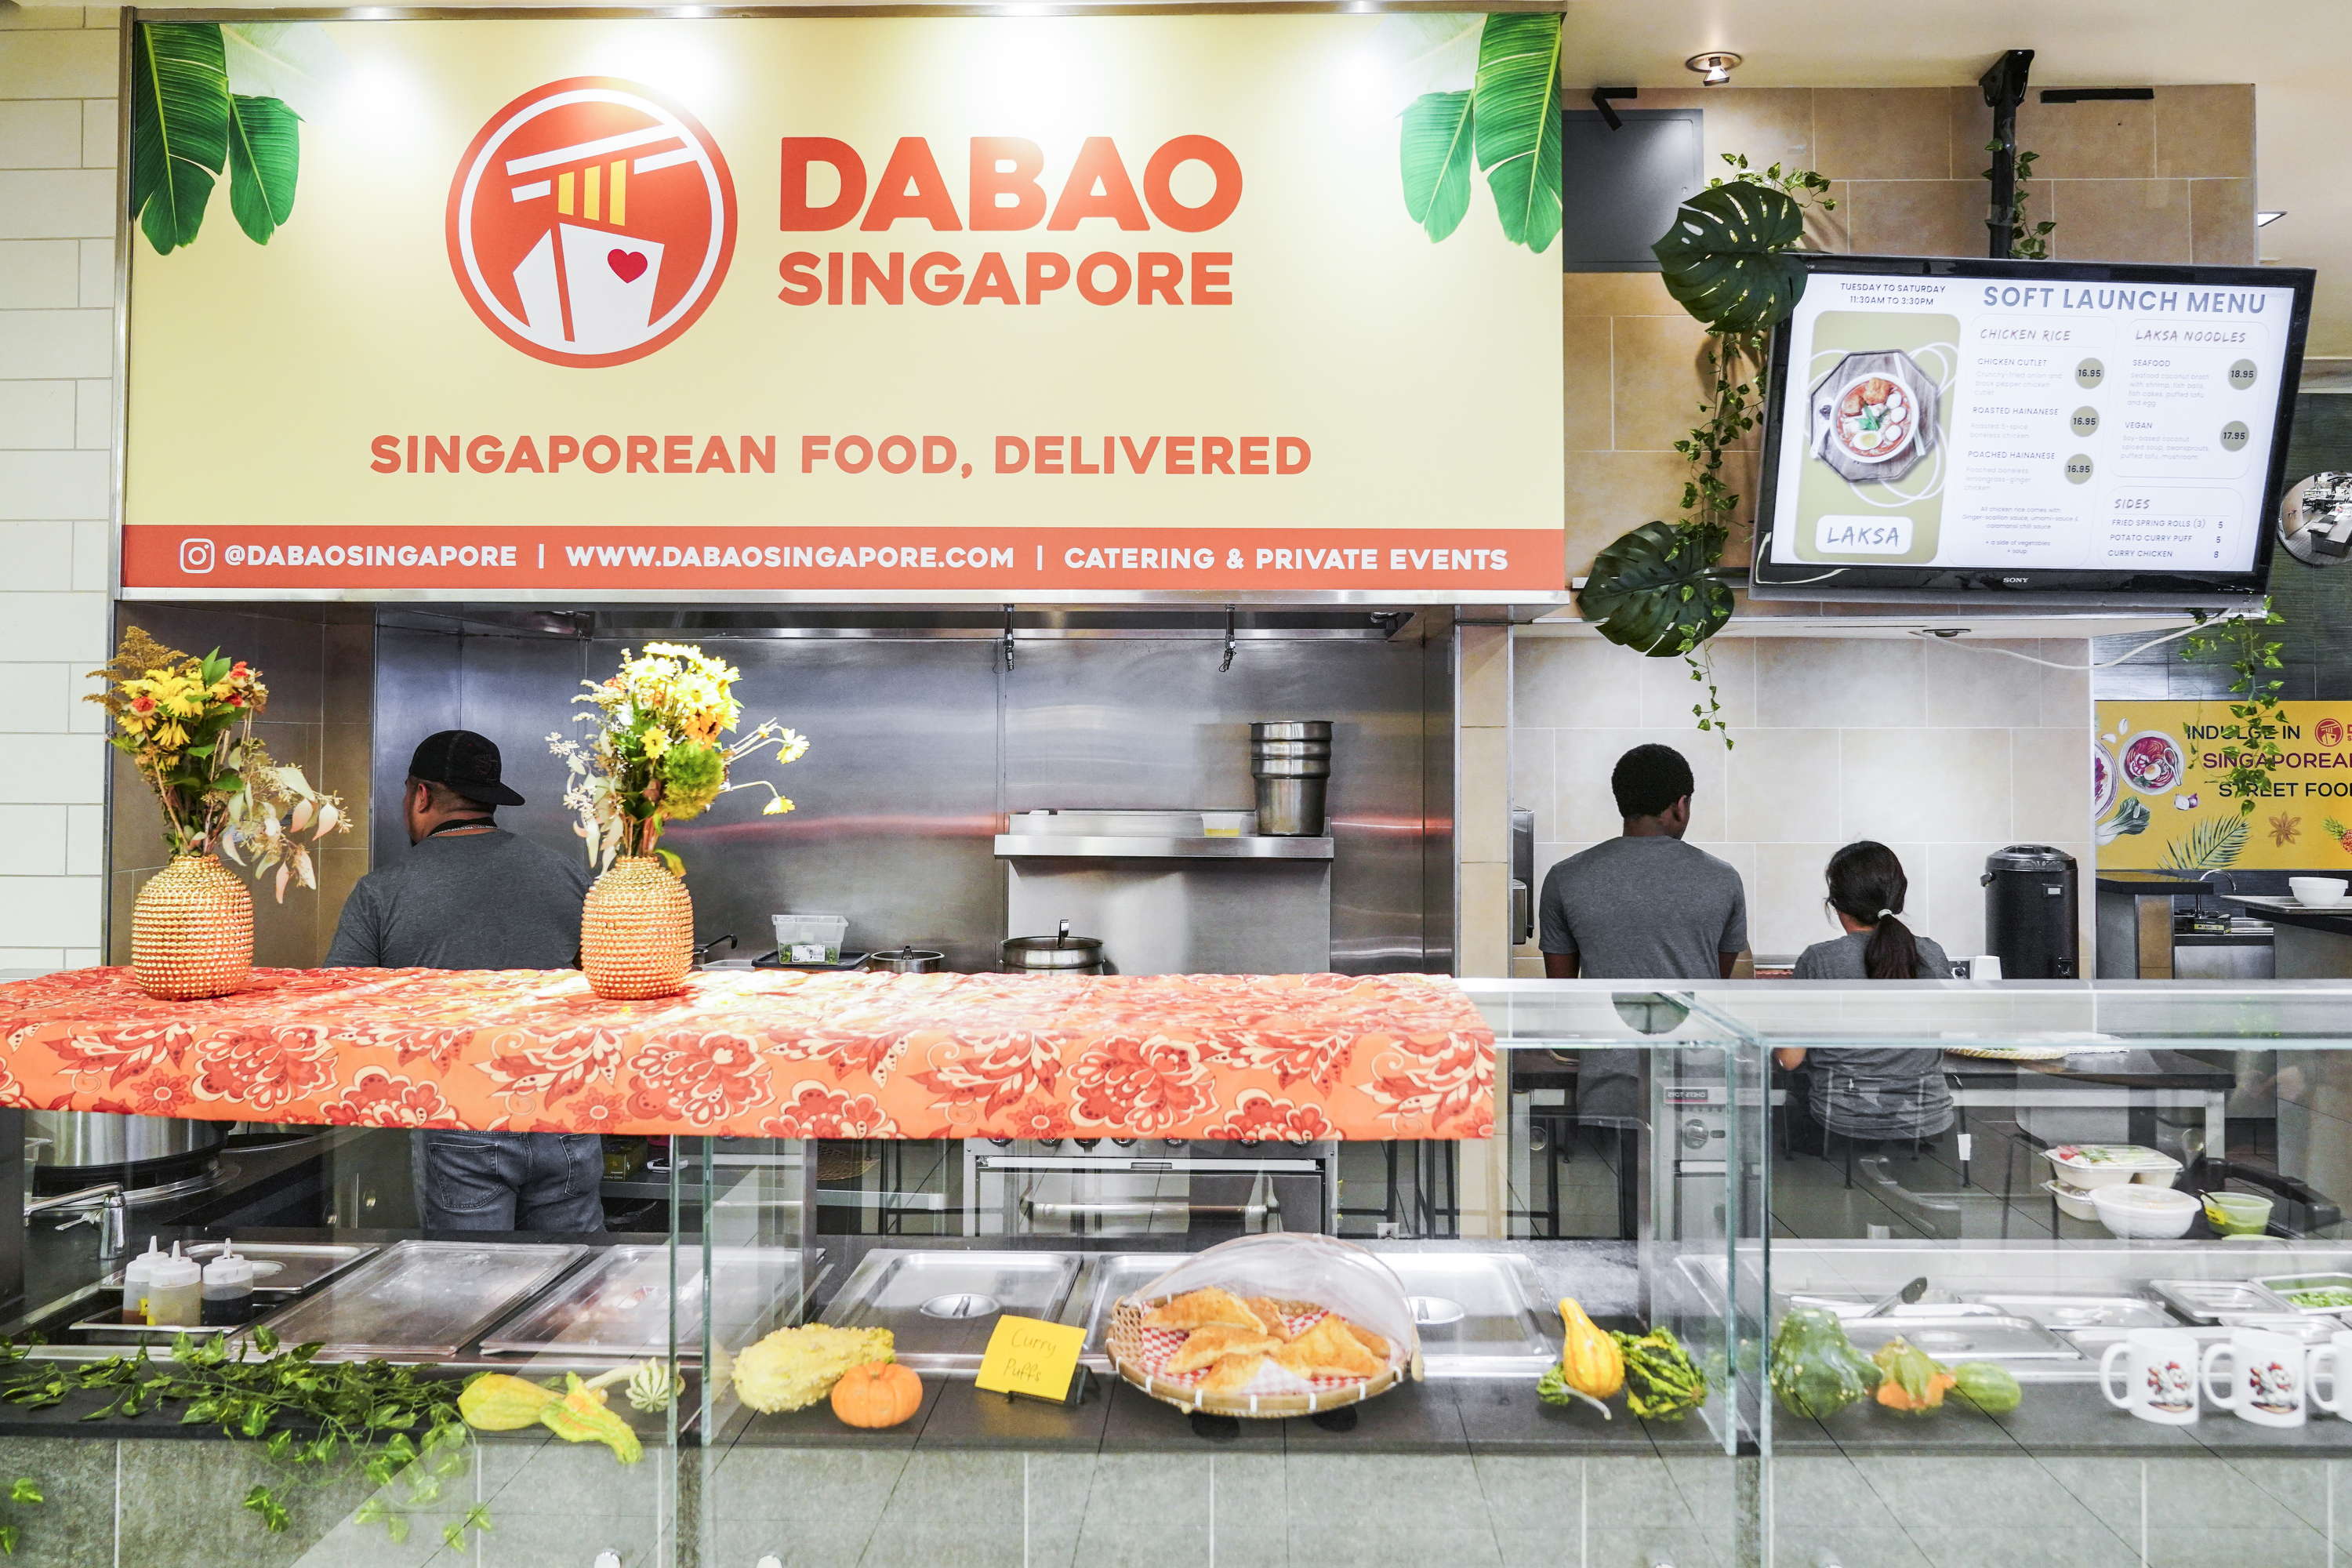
(1715, 70)
(2263, 220)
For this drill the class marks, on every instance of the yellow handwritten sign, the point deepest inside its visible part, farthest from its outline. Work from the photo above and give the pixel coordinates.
(1026, 1356)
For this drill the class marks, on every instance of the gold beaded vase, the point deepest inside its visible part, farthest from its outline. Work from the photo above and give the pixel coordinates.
(192, 931)
(636, 933)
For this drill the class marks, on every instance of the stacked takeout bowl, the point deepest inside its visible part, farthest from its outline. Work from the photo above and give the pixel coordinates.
(2135, 1182)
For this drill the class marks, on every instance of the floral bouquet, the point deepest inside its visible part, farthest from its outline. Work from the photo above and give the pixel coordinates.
(186, 723)
(656, 756)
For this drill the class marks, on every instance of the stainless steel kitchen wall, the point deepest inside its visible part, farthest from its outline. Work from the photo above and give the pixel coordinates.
(921, 740)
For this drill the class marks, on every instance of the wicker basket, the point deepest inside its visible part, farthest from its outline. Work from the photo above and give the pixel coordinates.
(1129, 1355)
(192, 931)
(636, 931)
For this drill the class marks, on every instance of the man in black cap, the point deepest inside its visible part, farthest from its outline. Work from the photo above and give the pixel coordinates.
(470, 895)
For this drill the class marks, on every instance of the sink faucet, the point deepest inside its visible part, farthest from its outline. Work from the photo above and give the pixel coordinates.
(101, 1206)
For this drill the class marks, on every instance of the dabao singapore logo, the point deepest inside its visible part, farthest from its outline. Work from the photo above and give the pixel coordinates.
(591, 222)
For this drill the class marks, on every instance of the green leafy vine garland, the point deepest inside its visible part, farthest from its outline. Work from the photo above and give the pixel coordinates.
(2243, 643)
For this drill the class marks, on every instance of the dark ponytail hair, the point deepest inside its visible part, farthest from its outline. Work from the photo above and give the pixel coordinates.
(1867, 883)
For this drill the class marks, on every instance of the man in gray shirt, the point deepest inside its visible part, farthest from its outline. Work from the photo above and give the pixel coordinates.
(1642, 906)
(1645, 905)
(470, 895)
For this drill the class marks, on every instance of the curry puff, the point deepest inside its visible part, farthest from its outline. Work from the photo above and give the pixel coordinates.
(1328, 1350)
(1206, 1345)
(1199, 1309)
(1232, 1374)
(1270, 1313)
(1368, 1339)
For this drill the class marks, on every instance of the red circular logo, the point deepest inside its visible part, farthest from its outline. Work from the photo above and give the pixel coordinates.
(2330, 733)
(591, 222)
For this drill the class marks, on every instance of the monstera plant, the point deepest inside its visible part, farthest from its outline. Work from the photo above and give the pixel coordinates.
(1507, 122)
(1728, 260)
(187, 128)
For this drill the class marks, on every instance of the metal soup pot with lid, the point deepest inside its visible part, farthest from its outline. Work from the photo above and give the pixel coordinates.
(1061, 953)
(907, 960)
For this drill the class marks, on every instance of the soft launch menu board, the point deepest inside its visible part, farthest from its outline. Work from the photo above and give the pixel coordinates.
(2035, 425)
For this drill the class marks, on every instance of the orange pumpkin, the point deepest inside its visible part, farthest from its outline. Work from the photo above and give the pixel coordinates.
(879, 1393)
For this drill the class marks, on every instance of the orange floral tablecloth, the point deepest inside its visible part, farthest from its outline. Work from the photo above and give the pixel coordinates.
(767, 1054)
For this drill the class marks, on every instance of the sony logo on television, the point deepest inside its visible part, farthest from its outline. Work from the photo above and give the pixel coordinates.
(2014, 581)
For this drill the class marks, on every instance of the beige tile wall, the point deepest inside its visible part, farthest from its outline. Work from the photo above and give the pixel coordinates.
(2169, 179)
(57, 406)
(1943, 752)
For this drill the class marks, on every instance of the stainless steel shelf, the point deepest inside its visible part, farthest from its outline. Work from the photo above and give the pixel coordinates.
(1077, 847)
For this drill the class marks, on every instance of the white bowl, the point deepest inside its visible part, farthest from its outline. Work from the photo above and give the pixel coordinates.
(2136, 1213)
(2316, 892)
(2072, 1202)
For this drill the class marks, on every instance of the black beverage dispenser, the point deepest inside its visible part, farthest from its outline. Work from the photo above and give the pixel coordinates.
(2032, 900)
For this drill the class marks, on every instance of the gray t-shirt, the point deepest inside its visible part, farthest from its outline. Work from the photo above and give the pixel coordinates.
(465, 901)
(1876, 1091)
(1644, 909)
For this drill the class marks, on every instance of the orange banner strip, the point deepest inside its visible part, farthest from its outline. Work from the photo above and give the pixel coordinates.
(771, 1053)
(1019, 561)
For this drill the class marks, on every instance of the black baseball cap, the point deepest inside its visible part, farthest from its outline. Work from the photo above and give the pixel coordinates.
(466, 763)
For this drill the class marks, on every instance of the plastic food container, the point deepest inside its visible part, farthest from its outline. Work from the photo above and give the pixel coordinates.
(2136, 1213)
(1228, 824)
(2237, 1213)
(810, 939)
(2072, 1202)
(2091, 1166)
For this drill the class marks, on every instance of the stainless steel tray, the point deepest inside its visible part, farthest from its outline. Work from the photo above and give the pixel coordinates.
(2281, 1284)
(940, 1307)
(619, 1304)
(1477, 1312)
(423, 1298)
(2207, 1301)
(1965, 1338)
(2068, 1313)
(109, 1329)
(280, 1268)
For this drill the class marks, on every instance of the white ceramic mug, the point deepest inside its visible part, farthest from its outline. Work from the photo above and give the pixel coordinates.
(2332, 1360)
(2265, 1381)
(2160, 1367)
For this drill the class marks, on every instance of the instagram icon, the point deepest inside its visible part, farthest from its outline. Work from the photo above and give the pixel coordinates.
(195, 556)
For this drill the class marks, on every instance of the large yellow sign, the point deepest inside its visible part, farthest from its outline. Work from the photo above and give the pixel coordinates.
(2160, 780)
(870, 305)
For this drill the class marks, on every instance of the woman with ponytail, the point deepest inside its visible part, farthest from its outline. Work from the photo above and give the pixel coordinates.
(1871, 1093)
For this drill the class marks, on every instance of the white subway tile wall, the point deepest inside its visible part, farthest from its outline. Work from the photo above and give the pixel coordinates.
(57, 413)
(1944, 753)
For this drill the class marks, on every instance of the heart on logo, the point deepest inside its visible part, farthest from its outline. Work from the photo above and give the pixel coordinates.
(628, 265)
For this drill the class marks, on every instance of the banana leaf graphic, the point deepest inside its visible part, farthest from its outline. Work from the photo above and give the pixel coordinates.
(2207, 845)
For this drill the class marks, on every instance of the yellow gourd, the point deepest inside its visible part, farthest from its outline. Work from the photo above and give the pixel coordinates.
(1589, 1360)
(497, 1402)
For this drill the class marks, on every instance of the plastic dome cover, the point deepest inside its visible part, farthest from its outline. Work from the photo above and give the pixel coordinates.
(1303, 1267)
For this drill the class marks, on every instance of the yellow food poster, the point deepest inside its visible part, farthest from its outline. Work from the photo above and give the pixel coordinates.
(2162, 798)
(1025, 1356)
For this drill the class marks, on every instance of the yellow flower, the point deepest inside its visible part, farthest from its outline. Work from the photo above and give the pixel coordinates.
(776, 807)
(656, 743)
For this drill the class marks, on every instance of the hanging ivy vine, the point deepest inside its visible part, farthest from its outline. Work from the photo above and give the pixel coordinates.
(1727, 260)
(2244, 645)
(2026, 241)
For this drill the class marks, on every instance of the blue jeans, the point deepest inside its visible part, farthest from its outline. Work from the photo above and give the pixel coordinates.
(514, 1180)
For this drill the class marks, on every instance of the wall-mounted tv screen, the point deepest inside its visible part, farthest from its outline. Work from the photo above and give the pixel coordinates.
(1938, 427)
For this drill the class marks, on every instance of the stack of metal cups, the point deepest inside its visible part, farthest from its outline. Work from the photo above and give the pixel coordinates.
(1291, 761)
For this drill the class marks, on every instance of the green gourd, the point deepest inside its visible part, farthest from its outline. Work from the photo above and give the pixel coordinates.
(1990, 1388)
(1815, 1369)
